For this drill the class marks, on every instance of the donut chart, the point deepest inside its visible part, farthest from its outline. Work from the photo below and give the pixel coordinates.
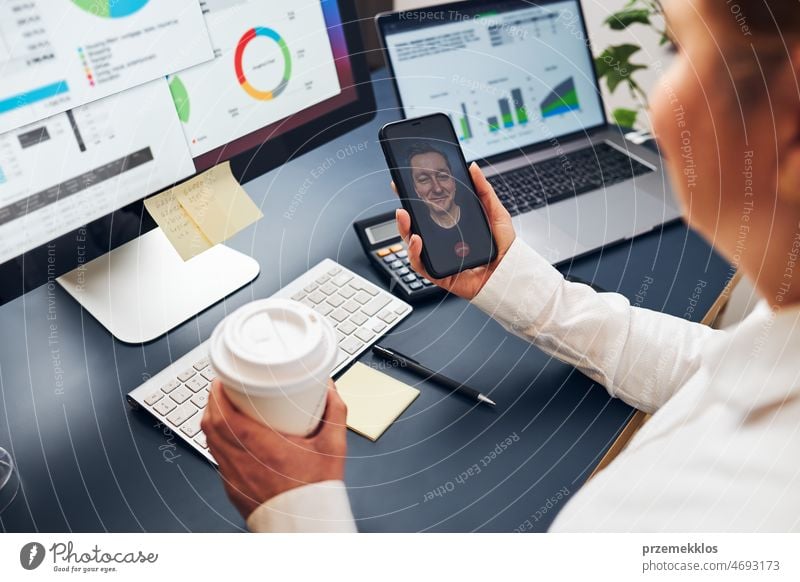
(111, 8)
(262, 94)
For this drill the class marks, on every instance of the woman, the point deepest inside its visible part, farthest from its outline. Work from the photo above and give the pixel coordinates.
(722, 449)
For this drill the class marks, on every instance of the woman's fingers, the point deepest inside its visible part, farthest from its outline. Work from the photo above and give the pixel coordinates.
(403, 220)
(486, 194)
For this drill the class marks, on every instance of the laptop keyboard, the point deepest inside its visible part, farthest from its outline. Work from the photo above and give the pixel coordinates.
(558, 178)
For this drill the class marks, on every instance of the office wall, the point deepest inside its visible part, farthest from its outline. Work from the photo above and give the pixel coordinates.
(601, 36)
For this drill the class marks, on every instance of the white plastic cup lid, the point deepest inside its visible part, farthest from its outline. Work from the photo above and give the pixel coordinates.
(273, 343)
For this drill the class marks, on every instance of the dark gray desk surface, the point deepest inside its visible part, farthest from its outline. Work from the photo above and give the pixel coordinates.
(89, 463)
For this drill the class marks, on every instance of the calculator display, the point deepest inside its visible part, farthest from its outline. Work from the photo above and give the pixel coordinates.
(381, 232)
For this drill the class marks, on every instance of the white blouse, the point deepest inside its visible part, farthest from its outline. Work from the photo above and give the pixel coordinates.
(722, 449)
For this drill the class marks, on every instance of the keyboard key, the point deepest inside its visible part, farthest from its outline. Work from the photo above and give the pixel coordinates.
(371, 289)
(186, 375)
(364, 335)
(347, 292)
(316, 297)
(201, 400)
(299, 295)
(401, 309)
(378, 327)
(387, 316)
(351, 345)
(351, 306)
(200, 439)
(322, 279)
(196, 384)
(200, 364)
(181, 395)
(328, 289)
(341, 358)
(209, 374)
(323, 309)
(347, 327)
(333, 270)
(165, 406)
(339, 336)
(192, 426)
(363, 297)
(310, 287)
(153, 398)
(335, 300)
(342, 279)
(376, 305)
(170, 386)
(359, 319)
(182, 414)
(339, 315)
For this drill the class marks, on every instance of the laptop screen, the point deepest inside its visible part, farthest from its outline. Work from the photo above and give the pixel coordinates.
(510, 74)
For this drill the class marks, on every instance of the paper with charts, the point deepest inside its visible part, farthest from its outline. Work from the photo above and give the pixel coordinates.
(62, 172)
(273, 59)
(59, 54)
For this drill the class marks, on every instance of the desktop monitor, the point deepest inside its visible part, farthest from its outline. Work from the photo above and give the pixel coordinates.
(263, 83)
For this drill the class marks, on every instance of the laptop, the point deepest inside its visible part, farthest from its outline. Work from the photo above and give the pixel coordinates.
(517, 79)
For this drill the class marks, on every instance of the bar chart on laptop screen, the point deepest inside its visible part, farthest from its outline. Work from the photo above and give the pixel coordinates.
(506, 79)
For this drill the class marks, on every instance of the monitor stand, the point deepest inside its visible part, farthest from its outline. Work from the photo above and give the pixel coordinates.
(142, 289)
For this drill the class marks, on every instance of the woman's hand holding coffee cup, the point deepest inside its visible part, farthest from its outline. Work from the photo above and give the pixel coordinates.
(257, 463)
(468, 283)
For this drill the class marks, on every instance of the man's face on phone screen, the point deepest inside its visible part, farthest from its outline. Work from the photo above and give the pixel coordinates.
(433, 182)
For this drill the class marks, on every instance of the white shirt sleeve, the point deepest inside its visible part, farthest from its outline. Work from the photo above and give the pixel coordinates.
(314, 508)
(640, 356)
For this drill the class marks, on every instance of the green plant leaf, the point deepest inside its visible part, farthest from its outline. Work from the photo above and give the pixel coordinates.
(625, 117)
(627, 16)
(615, 66)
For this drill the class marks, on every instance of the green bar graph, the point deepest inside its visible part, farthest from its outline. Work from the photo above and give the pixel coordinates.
(519, 106)
(466, 130)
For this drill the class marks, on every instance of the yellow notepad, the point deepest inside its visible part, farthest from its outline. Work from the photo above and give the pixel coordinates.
(374, 400)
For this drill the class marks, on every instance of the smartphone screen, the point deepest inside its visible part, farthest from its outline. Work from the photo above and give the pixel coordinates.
(435, 186)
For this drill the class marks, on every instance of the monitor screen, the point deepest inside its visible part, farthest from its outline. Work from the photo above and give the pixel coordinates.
(162, 89)
(510, 74)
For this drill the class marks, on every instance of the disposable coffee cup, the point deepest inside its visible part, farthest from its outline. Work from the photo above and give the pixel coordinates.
(274, 357)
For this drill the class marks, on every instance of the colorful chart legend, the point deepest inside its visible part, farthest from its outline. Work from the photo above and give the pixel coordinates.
(247, 37)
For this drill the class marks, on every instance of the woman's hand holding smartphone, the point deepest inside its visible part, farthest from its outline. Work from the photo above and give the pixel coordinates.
(468, 283)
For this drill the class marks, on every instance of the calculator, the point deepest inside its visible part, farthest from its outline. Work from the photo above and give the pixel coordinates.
(387, 251)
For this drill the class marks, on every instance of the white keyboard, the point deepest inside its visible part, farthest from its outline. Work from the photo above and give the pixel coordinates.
(360, 312)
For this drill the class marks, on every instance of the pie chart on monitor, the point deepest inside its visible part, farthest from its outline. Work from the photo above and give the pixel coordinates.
(111, 8)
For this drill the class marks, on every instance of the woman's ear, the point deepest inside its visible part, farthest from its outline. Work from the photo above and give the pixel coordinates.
(789, 160)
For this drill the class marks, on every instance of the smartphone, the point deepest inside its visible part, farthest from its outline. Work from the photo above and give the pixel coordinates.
(435, 187)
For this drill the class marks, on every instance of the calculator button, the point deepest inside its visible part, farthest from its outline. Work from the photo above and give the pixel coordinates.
(402, 272)
(406, 262)
(396, 248)
(426, 282)
(383, 252)
(389, 258)
(401, 254)
(396, 265)
(410, 278)
(415, 285)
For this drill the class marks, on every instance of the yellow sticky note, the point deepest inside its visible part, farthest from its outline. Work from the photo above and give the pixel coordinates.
(374, 400)
(176, 223)
(217, 203)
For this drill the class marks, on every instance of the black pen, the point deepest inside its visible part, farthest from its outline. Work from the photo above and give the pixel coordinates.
(414, 366)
